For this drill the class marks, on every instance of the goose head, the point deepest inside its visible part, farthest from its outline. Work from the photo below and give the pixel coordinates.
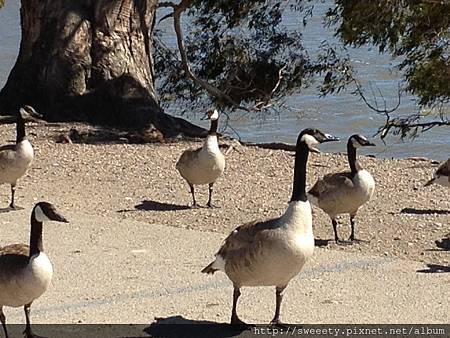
(28, 113)
(44, 211)
(211, 114)
(313, 137)
(441, 175)
(358, 140)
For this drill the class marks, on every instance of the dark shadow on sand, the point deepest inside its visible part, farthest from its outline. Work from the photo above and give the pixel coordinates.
(160, 206)
(435, 268)
(177, 326)
(9, 209)
(415, 211)
(321, 242)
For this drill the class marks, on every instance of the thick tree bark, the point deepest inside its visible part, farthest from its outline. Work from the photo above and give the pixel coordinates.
(88, 60)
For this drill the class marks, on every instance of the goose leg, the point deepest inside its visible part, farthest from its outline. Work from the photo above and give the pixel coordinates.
(336, 237)
(28, 333)
(352, 222)
(194, 202)
(335, 224)
(279, 298)
(13, 191)
(209, 204)
(352, 234)
(234, 317)
(3, 320)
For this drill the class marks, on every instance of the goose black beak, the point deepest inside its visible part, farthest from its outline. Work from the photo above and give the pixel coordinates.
(329, 138)
(205, 117)
(370, 144)
(430, 182)
(59, 218)
(31, 115)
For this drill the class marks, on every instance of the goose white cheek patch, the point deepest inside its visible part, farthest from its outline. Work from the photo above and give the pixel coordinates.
(215, 115)
(309, 140)
(355, 143)
(40, 215)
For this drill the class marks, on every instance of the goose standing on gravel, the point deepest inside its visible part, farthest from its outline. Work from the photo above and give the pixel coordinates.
(203, 165)
(441, 175)
(272, 252)
(26, 271)
(345, 192)
(15, 159)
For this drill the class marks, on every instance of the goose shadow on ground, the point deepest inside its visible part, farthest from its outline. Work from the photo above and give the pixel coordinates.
(178, 326)
(321, 242)
(415, 211)
(148, 205)
(443, 244)
(9, 209)
(435, 268)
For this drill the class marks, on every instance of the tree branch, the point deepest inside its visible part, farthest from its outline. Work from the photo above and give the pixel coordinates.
(179, 9)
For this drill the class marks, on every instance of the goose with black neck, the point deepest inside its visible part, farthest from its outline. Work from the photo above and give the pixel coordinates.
(203, 165)
(272, 252)
(345, 192)
(26, 271)
(15, 159)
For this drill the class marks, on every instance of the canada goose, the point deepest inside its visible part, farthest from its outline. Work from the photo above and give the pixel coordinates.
(272, 252)
(441, 175)
(345, 192)
(203, 165)
(26, 271)
(15, 159)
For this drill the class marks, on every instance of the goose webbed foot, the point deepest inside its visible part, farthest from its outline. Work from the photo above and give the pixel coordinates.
(343, 242)
(195, 206)
(14, 207)
(354, 240)
(29, 334)
(236, 321)
(213, 206)
(277, 323)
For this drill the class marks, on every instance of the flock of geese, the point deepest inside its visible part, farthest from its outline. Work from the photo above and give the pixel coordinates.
(259, 253)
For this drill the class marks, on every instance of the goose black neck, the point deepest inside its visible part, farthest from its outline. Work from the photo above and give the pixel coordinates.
(301, 159)
(351, 154)
(20, 129)
(213, 128)
(36, 245)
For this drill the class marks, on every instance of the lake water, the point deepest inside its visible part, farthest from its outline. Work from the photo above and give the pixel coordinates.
(342, 114)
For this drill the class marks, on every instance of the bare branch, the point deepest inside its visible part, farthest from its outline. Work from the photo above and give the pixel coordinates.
(266, 103)
(178, 10)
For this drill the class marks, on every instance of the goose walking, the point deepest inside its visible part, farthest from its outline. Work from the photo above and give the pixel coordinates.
(26, 271)
(345, 192)
(203, 165)
(15, 159)
(441, 175)
(272, 252)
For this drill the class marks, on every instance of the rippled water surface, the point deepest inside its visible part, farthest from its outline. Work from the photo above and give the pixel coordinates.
(341, 114)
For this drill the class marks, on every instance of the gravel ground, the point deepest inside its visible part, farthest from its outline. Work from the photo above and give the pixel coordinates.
(140, 182)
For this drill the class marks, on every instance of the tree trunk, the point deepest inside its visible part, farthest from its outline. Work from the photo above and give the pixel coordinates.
(88, 61)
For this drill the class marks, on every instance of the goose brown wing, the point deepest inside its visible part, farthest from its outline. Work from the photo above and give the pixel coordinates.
(13, 258)
(331, 183)
(246, 237)
(6, 154)
(188, 156)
